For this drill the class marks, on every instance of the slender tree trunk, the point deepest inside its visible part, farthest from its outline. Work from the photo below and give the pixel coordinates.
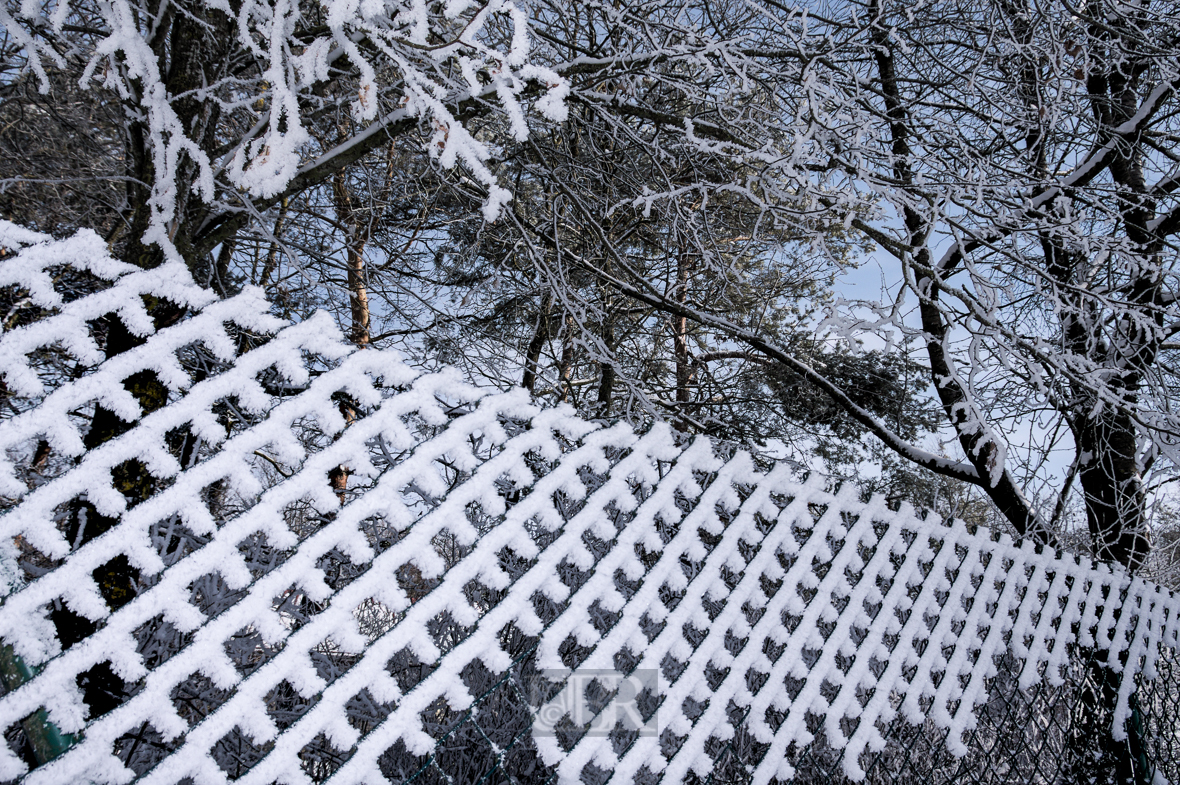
(356, 237)
(566, 368)
(680, 346)
(272, 254)
(607, 384)
(532, 355)
(1112, 485)
(358, 294)
(219, 280)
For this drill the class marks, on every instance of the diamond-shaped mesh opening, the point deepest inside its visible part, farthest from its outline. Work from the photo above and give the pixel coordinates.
(295, 608)
(365, 712)
(27, 739)
(398, 765)
(407, 669)
(236, 753)
(196, 697)
(439, 718)
(411, 581)
(248, 651)
(173, 540)
(285, 705)
(464, 754)
(339, 570)
(503, 716)
(216, 498)
(446, 631)
(159, 641)
(142, 749)
(573, 653)
(521, 764)
(210, 594)
(103, 690)
(374, 618)
(330, 661)
(320, 759)
(70, 627)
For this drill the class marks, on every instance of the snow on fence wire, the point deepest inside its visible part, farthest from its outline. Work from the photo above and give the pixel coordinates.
(483, 545)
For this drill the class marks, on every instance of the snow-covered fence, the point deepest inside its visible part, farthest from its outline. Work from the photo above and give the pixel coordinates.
(366, 573)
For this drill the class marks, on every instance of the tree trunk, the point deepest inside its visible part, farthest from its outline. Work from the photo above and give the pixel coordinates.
(607, 384)
(356, 237)
(532, 355)
(272, 253)
(358, 294)
(976, 439)
(1112, 485)
(680, 346)
(566, 368)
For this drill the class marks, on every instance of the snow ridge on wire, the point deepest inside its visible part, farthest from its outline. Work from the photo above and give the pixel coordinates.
(836, 606)
(85, 251)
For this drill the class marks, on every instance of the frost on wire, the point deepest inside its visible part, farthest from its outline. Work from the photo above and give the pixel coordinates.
(624, 547)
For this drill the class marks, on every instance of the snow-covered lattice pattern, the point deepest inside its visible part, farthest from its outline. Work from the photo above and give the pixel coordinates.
(745, 588)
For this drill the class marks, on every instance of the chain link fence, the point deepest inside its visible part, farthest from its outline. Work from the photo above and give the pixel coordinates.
(1037, 736)
(503, 593)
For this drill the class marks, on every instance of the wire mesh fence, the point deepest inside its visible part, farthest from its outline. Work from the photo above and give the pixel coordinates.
(1039, 735)
(1043, 734)
(373, 574)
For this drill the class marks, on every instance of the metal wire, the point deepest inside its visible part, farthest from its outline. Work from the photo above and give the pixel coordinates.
(1045, 734)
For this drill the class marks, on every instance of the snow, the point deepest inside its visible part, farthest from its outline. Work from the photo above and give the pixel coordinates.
(933, 605)
(264, 162)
